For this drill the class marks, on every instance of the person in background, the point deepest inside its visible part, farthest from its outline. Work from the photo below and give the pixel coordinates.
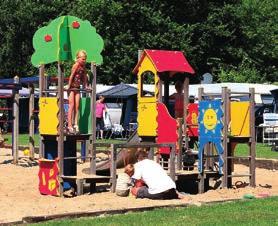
(77, 78)
(100, 109)
(178, 97)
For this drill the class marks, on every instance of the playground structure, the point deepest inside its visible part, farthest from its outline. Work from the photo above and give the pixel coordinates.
(11, 100)
(157, 129)
(220, 125)
(14, 87)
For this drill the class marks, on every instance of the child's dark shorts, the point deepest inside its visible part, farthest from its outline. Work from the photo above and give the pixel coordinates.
(99, 123)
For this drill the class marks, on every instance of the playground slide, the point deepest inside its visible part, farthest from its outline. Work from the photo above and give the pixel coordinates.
(124, 157)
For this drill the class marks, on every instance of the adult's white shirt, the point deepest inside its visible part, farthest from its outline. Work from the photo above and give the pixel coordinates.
(153, 175)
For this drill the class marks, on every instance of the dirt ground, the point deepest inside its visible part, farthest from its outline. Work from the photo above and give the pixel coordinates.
(20, 197)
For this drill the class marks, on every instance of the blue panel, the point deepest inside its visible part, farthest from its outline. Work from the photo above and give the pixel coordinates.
(210, 129)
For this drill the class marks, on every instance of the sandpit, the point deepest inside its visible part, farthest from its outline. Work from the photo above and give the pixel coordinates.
(20, 196)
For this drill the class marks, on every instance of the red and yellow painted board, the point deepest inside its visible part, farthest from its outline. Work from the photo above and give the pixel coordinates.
(48, 177)
(192, 120)
(167, 128)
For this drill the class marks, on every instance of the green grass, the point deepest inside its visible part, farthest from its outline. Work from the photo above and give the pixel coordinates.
(251, 212)
(262, 150)
(24, 139)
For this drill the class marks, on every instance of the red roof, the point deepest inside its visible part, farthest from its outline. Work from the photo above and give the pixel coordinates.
(165, 60)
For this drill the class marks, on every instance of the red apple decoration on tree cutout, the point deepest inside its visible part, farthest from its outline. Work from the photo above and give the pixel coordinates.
(48, 38)
(75, 24)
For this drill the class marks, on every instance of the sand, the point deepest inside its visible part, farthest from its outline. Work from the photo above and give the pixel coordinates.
(20, 197)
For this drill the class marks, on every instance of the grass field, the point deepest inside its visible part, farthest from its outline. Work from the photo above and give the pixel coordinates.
(24, 139)
(251, 212)
(262, 150)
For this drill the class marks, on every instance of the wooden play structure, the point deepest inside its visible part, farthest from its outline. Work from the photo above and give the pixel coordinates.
(217, 125)
(14, 87)
(56, 43)
(222, 125)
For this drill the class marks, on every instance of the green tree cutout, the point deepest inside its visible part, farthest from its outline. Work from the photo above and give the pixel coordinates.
(62, 38)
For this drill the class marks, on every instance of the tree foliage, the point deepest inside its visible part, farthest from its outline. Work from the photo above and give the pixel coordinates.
(234, 40)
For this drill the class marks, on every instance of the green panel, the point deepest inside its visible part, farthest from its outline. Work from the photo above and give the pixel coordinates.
(64, 44)
(46, 52)
(86, 38)
(68, 35)
(85, 116)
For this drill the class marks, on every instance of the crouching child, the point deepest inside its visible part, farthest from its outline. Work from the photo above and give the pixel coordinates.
(124, 182)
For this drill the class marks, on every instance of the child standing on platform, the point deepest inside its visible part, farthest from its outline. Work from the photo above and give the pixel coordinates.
(77, 78)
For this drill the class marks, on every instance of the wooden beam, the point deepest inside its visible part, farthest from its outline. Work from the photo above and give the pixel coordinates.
(225, 136)
(93, 119)
(31, 121)
(61, 124)
(252, 144)
(185, 109)
(113, 167)
(41, 94)
(15, 121)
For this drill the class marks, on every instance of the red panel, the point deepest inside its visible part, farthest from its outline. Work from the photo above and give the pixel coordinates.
(165, 60)
(48, 177)
(192, 120)
(167, 128)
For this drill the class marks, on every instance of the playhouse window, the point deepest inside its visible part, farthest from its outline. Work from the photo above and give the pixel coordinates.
(147, 84)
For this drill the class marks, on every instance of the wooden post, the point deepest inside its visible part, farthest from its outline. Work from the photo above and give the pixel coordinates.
(185, 109)
(61, 124)
(201, 184)
(41, 94)
(15, 121)
(200, 97)
(151, 153)
(179, 155)
(113, 167)
(172, 161)
(252, 143)
(31, 122)
(93, 119)
(225, 136)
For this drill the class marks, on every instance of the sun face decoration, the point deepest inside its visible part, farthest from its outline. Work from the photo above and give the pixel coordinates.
(210, 118)
(210, 129)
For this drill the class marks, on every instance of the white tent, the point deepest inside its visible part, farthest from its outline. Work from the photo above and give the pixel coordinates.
(217, 87)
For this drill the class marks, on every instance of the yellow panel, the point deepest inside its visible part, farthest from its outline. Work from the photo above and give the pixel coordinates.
(147, 65)
(240, 119)
(147, 111)
(48, 115)
(147, 123)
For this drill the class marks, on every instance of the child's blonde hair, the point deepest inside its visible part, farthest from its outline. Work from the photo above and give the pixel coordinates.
(81, 52)
(129, 169)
